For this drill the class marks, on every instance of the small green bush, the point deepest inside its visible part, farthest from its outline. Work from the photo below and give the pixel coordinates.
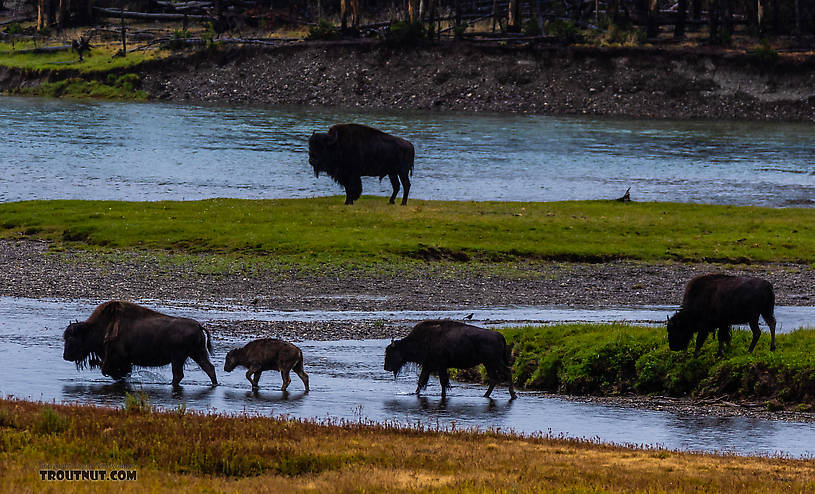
(323, 30)
(563, 29)
(401, 33)
(14, 28)
(531, 28)
(50, 422)
(137, 402)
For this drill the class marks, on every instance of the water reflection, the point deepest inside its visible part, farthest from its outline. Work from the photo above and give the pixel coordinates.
(154, 151)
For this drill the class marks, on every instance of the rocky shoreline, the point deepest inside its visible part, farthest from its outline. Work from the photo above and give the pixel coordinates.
(558, 80)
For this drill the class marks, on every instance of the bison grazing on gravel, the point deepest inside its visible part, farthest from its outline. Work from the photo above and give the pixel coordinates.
(439, 345)
(119, 335)
(348, 152)
(267, 354)
(716, 301)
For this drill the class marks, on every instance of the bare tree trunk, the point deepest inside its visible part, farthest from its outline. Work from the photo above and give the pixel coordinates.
(797, 17)
(714, 21)
(681, 17)
(494, 13)
(457, 20)
(696, 9)
(652, 29)
(513, 14)
(760, 17)
(41, 14)
(63, 13)
(413, 11)
(343, 15)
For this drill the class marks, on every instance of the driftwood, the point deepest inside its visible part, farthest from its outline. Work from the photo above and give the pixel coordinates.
(16, 19)
(148, 16)
(45, 49)
(625, 197)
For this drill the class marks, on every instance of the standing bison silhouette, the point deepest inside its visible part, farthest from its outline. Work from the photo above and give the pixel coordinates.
(119, 335)
(442, 344)
(350, 151)
(714, 301)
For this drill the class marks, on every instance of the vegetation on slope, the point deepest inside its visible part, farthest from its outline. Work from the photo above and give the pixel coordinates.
(615, 358)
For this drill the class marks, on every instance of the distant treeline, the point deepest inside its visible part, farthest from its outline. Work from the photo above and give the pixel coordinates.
(718, 20)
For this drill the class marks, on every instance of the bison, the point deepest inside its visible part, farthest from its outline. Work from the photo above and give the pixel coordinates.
(267, 354)
(716, 301)
(350, 151)
(119, 335)
(439, 345)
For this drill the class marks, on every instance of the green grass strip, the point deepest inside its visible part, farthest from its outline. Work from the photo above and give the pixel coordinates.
(323, 230)
(608, 359)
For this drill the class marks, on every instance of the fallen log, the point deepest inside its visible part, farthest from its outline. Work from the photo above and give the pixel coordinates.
(44, 49)
(16, 19)
(149, 16)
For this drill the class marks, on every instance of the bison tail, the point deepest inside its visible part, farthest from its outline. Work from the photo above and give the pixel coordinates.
(209, 341)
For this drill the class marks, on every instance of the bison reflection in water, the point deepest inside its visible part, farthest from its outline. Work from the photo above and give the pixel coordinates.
(716, 301)
(119, 335)
(348, 152)
(267, 354)
(439, 345)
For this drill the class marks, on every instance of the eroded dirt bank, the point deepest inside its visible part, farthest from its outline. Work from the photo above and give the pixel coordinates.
(632, 82)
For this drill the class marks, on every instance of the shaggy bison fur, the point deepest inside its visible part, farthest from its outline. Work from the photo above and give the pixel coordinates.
(119, 335)
(716, 301)
(267, 354)
(439, 345)
(349, 151)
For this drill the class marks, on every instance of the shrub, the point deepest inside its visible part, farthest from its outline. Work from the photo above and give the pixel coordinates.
(563, 29)
(323, 30)
(405, 33)
(137, 402)
(50, 422)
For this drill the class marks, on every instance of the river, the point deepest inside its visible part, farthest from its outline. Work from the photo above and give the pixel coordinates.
(348, 382)
(81, 149)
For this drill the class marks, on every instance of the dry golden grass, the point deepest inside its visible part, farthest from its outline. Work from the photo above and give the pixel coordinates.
(189, 452)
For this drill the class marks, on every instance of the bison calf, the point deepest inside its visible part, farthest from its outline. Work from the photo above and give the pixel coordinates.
(267, 354)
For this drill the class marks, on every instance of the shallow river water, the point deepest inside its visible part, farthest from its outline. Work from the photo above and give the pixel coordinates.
(348, 382)
(61, 149)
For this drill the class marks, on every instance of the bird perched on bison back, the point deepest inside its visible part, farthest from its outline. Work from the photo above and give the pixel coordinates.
(350, 151)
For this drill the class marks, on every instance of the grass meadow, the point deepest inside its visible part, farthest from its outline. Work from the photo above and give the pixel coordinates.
(181, 451)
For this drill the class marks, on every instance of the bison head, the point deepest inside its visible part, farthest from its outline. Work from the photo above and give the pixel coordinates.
(80, 345)
(232, 360)
(394, 360)
(680, 331)
(321, 153)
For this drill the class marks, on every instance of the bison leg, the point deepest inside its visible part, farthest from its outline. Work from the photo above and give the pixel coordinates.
(395, 184)
(769, 318)
(253, 376)
(424, 376)
(206, 366)
(724, 338)
(756, 333)
(286, 379)
(298, 369)
(406, 184)
(700, 340)
(353, 190)
(178, 371)
(444, 380)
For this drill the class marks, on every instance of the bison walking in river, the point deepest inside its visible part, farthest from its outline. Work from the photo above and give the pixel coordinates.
(267, 354)
(349, 151)
(119, 335)
(716, 301)
(439, 345)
